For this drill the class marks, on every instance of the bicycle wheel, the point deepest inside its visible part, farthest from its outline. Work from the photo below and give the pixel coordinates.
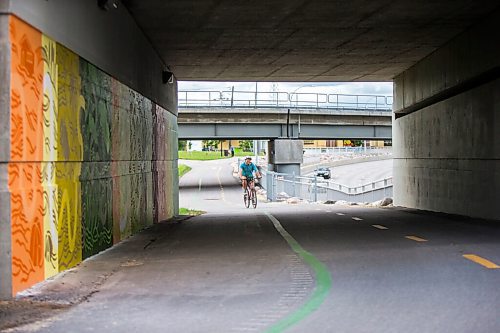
(254, 198)
(246, 198)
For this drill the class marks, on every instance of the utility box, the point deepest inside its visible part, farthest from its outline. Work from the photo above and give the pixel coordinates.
(286, 151)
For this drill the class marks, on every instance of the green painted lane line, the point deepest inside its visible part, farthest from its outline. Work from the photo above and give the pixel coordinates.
(323, 282)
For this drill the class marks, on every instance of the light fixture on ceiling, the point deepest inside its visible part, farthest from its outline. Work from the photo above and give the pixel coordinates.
(105, 4)
(167, 76)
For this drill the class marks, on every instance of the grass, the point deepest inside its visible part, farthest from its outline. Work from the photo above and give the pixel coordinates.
(201, 155)
(183, 169)
(243, 153)
(192, 212)
(209, 155)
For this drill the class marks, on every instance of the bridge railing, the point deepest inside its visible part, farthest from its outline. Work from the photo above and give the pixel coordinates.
(280, 186)
(346, 150)
(273, 99)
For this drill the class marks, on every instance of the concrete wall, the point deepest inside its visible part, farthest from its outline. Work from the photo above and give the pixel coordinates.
(111, 40)
(87, 160)
(5, 228)
(447, 153)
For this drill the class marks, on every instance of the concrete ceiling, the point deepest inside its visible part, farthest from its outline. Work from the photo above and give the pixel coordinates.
(297, 40)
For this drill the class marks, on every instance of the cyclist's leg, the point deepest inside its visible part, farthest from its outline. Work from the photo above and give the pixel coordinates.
(244, 184)
(250, 184)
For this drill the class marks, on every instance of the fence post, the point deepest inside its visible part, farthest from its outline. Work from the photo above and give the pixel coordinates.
(274, 187)
(271, 186)
(232, 96)
(294, 195)
(315, 189)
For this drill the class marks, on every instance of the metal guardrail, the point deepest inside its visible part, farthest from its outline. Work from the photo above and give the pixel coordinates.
(347, 150)
(273, 99)
(316, 189)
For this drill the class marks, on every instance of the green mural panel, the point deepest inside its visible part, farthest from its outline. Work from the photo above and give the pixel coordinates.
(96, 186)
(96, 118)
(97, 216)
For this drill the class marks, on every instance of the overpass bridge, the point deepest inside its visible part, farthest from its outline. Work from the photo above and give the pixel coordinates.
(268, 115)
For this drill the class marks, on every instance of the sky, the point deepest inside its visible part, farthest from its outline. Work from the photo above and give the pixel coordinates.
(349, 88)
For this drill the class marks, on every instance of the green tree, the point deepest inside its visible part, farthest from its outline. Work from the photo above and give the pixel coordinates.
(357, 143)
(182, 145)
(246, 145)
(211, 143)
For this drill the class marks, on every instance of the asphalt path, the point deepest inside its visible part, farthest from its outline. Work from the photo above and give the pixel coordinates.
(211, 186)
(287, 268)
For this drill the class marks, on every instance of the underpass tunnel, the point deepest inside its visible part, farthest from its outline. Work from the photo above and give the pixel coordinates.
(89, 107)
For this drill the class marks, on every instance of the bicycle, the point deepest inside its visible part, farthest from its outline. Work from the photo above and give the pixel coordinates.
(250, 194)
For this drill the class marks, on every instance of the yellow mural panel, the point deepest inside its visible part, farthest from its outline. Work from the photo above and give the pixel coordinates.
(69, 156)
(50, 129)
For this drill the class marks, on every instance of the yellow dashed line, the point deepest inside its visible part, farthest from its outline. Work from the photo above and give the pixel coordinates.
(481, 261)
(223, 197)
(378, 226)
(416, 239)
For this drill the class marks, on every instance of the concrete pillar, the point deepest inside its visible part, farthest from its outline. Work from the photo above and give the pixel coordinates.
(5, 211)
(446, 127)
(285, 156)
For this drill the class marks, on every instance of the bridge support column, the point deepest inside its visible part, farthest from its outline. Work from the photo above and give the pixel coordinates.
(447, 125)
(285, 156)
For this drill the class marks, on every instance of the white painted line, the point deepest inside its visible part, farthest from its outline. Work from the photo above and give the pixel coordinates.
(357, 219)
(340, 214)
(378, 226)
(223, 197)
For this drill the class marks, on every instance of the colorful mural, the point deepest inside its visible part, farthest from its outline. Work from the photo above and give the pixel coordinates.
(89, 162)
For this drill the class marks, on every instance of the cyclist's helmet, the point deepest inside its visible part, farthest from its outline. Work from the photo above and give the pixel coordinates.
(248, 158)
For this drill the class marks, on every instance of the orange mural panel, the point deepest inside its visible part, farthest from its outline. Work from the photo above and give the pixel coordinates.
(25, 174)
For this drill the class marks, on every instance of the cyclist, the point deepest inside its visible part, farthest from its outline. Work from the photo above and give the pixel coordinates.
(246, 171)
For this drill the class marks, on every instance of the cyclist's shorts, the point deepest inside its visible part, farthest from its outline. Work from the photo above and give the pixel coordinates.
(249, 179)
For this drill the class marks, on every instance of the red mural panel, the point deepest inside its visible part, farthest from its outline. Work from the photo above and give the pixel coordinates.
(25, 179)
